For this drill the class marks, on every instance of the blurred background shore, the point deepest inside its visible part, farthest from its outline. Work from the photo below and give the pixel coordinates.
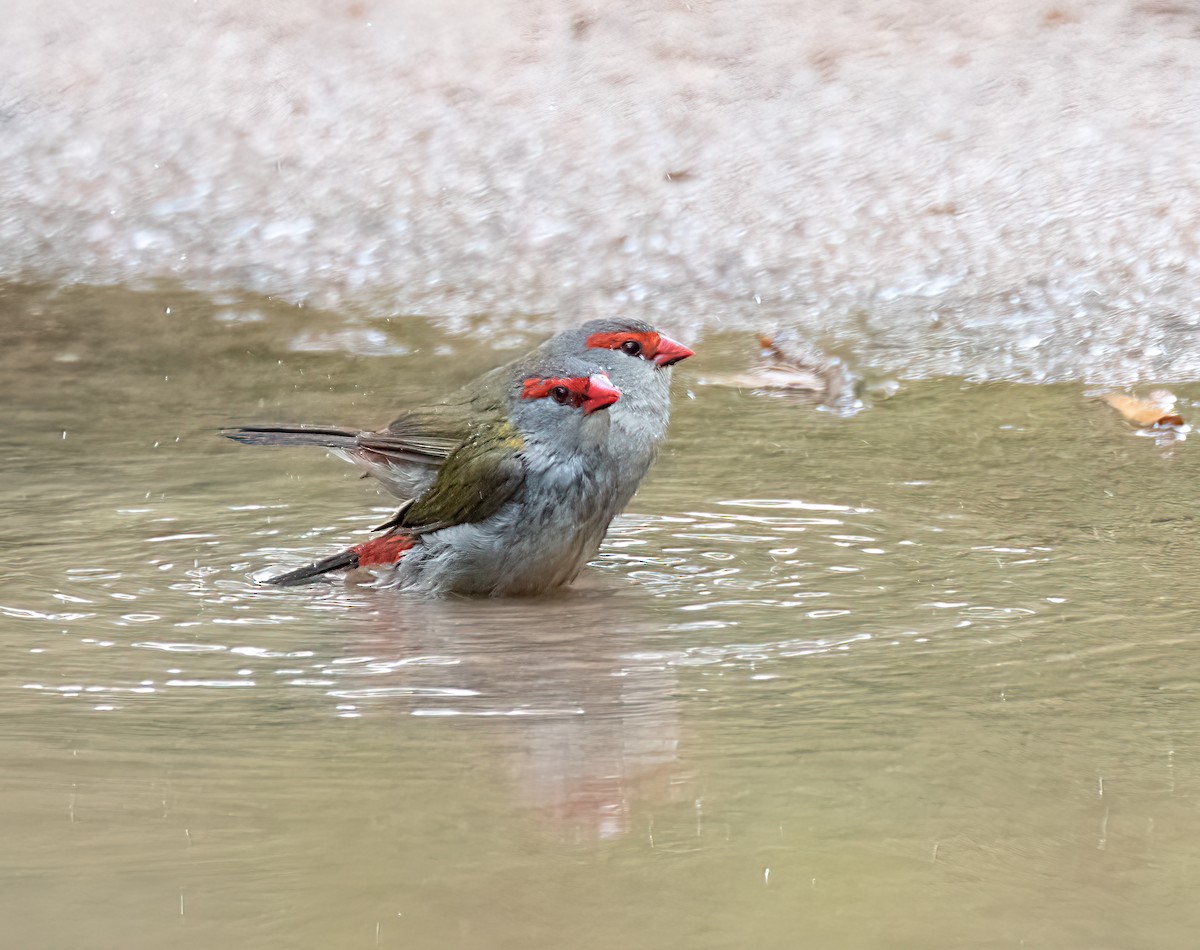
(1004, 189)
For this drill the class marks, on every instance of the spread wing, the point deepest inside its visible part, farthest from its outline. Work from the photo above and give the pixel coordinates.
(431, 434)
(421, 436)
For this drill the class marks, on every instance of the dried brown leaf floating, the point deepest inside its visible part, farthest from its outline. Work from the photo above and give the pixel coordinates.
(1155, 410)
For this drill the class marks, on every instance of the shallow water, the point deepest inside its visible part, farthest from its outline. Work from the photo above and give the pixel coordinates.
(924, 676)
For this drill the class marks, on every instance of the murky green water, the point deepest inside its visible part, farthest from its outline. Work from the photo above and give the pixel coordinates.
(923, 677)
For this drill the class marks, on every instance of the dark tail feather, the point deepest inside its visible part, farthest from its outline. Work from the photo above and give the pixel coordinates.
(387, 549)
(305, 574)
(327, 436)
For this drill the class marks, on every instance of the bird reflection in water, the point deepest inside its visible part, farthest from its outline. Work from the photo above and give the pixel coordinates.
(581, 692)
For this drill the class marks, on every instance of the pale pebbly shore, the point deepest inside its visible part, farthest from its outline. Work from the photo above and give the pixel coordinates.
(995, 189)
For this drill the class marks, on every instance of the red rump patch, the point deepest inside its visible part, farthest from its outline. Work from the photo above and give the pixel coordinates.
(385, 550)
(614, 341)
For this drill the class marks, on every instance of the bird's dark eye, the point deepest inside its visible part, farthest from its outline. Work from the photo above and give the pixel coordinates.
(560, 394)
(632, 347)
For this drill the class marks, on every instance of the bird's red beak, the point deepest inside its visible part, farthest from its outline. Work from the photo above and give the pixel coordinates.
(670, 352)
(601, 393)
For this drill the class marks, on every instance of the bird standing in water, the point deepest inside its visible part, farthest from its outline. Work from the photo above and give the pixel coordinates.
(406, 455)
(509, 486)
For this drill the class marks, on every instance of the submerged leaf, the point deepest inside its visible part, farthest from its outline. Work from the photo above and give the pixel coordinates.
(1154, 410)
(800, 369)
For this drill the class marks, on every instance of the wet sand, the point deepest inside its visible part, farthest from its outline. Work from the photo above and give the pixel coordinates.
(992, 189)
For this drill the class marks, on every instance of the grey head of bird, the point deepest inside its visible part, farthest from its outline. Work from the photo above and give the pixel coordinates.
(628, 350)
(558, 406)
(638, 359)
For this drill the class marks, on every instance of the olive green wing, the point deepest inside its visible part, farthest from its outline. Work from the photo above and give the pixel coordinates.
(473, 483)
(424, 436)
(430, 435)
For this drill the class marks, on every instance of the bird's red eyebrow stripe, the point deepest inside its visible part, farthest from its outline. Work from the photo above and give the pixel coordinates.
(535, 388)
(612, 341)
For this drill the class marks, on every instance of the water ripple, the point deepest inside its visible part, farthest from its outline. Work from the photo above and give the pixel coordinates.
(19, 613)
(383, 692)
(794, 504)
(179, 647)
